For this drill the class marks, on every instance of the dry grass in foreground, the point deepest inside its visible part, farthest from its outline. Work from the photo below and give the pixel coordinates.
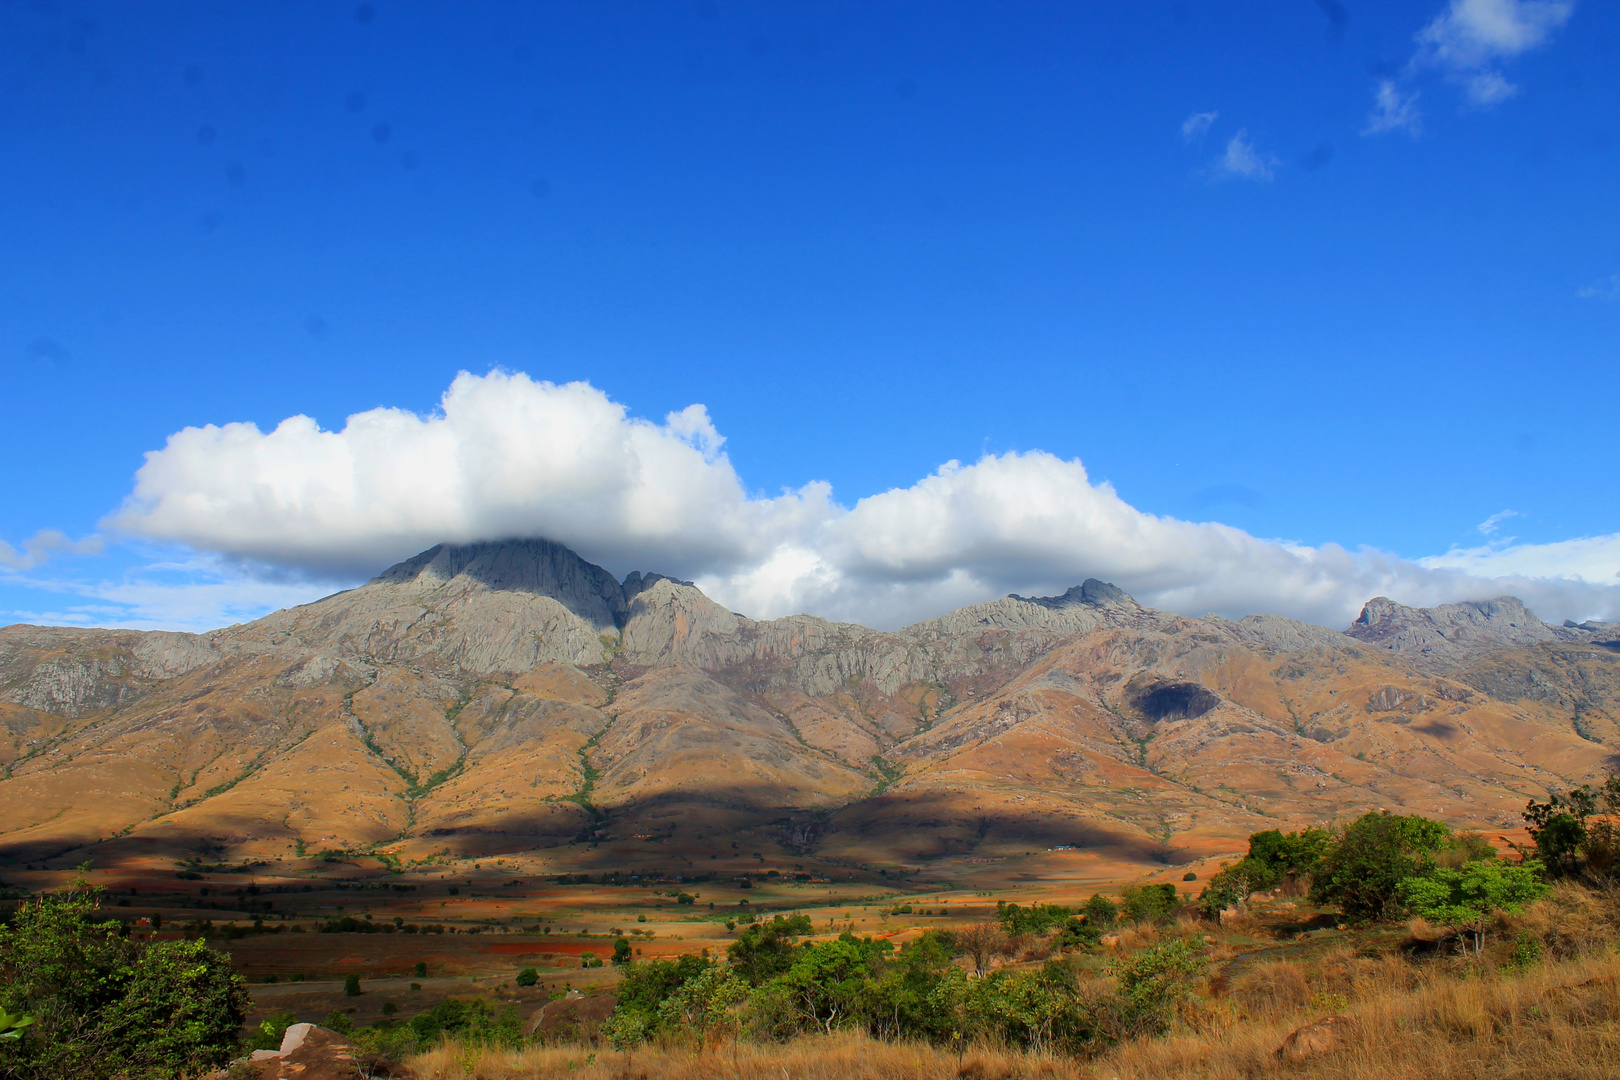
(1444, 1022)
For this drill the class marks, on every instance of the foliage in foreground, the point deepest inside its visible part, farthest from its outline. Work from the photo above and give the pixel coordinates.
(774, 989)
(104, 1005)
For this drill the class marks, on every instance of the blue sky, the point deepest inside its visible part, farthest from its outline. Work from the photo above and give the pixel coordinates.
(1335, 274)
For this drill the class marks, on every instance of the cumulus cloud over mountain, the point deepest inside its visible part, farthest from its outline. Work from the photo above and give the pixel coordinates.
(509, 456)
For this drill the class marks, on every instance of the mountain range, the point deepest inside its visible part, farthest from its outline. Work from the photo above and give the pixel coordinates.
(513, 697)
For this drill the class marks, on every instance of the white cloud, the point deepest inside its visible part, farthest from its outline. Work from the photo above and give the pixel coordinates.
(1468, 43)
(509, 456)
(1472, 38)
(1393, 111)
(1591, 560)
(1242, 161)
(42, 545)
(505, 456)
(1607, 290)
(1195, 126)
(1494, 522)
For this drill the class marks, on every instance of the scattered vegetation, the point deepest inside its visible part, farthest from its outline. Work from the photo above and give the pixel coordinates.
(1434, 950)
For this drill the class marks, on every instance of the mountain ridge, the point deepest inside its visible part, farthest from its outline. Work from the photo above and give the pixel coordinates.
(511, 695)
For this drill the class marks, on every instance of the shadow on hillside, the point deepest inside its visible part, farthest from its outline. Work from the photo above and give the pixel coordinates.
(676, 828)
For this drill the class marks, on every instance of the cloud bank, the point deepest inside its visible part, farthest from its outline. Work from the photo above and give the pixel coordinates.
(508, 456)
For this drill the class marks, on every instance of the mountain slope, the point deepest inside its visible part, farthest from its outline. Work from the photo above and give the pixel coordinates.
(511, 696)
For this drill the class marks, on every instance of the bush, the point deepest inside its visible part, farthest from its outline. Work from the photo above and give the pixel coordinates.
(1149, 903)
(420, 971)
(528, 977)
(764, 951)
(1570, 844)
(1076, 934)
(1466, 898)
(1273, 858)
(1100, 911)
(1035, 919)
(105, 1005)
(1361, 873)
(351, 985)
(1151, 984)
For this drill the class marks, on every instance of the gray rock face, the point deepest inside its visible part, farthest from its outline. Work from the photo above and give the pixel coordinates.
(72, 672)
(1453, 634)
(483, 608)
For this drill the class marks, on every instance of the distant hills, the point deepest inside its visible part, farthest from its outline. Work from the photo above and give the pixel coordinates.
(511, 696)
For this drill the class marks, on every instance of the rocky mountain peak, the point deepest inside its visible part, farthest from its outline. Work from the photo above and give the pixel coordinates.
(537, 566)
(1451, 632)
(1090, 593)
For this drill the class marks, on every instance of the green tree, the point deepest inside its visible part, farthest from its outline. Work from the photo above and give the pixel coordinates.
(420, 971)
(1569, 842)
(1362, 871)
(621, 951)
(1149, 903)
(1100, 911)
(1273, 857)
(827, 981)
(904, 999)
(1466, 899)
(702, 1004)
(765, 950)
(351, 985)
(528, 977)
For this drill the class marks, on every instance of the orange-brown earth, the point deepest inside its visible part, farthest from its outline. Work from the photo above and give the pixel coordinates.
(513, 701)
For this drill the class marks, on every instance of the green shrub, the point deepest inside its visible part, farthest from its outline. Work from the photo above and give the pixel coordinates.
(1466, 899)
(1273, 857)
(104, 1005)
(420, 971)
(528, 977)
(351, 985)
(1149, 903)
(1100, 911)
(764, 951)
(1077, 934)
(270, 1031)
(1035, 919)
(1151, 984)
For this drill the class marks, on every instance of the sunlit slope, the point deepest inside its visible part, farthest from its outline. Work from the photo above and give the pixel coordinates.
(511, 697)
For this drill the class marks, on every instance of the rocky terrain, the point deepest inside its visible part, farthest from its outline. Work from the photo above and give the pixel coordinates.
(511, 697)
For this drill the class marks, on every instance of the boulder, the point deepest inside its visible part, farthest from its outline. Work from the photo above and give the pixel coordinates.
(1315, 1039)
(311, 1052)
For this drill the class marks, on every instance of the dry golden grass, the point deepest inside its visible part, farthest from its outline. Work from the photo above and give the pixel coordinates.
(844, 1056)
(1556, 1022)
(1442, 1019)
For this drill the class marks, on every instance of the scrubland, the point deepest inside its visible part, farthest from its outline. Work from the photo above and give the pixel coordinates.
(1543, 1001)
